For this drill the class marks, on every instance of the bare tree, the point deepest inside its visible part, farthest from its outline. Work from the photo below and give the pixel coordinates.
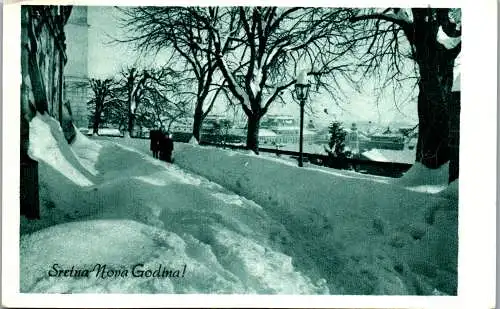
(117, 110)
(165, 100)
(149, 98)
(170, 28)
(431, 38)
(259, 51)
(99, 103)
(132, 90)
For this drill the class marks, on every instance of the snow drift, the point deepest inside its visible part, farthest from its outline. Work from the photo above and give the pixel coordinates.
(120, 245)
(278, 229)
(48, 145)
(422, 179)
(363, 235)
(135, 209)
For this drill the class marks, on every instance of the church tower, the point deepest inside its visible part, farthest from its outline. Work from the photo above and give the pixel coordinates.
(77, 91)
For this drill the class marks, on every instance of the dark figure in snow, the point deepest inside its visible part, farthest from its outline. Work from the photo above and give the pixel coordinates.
(154, 136)
(166, 147)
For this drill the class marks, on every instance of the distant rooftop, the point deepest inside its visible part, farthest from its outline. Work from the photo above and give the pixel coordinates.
(388, 155)
(279, 116)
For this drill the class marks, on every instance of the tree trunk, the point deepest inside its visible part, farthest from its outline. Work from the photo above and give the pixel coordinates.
(433, 129)
(454, 140)
(60, 88)
(198, 121)
(67, 123)
(97, 120)
(436, 80)
(253, 133)
(131, 124)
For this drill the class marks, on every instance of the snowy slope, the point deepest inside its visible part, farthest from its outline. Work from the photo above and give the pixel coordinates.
(142, 210)
(422, 179)
(121, 244)
(253, 225)
(369, 228)
(353, 230)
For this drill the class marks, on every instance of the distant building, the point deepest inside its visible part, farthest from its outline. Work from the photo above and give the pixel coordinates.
(352, 139)
(286, 129)
(77, 91)
(274, 131)
(387, 141)
(216, 122)
(278, 121)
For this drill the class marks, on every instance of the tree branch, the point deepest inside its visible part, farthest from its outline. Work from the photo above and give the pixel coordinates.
(400, 22)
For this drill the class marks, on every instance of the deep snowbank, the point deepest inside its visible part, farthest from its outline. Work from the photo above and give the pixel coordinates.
(422, 179)
(412, 250)
(48, 145)
(451, 191)
(135, 209)
(288, 230)
(120, 245)
(363, 236)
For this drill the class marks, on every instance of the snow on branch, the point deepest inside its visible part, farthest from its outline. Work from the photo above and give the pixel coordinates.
(401, 14)
(232, 83)
(277, 89)
(400, 18)
(456, 84)
(447, 41)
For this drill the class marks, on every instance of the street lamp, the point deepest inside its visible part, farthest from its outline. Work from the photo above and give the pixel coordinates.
(301, 92)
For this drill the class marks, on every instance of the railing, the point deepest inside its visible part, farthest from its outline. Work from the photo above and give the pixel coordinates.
(388, 169)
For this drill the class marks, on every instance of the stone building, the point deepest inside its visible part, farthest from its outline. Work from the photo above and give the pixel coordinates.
(43, 58)
(77, 91)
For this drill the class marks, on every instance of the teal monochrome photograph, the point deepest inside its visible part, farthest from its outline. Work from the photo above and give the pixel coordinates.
(239, 150)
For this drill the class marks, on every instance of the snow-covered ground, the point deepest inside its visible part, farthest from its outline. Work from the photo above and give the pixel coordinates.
(240, 223)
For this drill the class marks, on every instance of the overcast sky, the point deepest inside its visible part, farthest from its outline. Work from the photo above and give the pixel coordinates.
(107, 59)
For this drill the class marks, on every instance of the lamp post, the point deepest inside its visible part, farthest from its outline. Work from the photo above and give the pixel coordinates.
(301, 91)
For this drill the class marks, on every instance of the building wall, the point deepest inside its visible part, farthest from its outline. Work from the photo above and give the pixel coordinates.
(77, 90)
(50, 58)
(42, 63)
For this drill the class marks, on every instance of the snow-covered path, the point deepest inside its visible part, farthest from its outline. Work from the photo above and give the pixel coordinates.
(364, 234)
(135, 209)
(108, 203)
